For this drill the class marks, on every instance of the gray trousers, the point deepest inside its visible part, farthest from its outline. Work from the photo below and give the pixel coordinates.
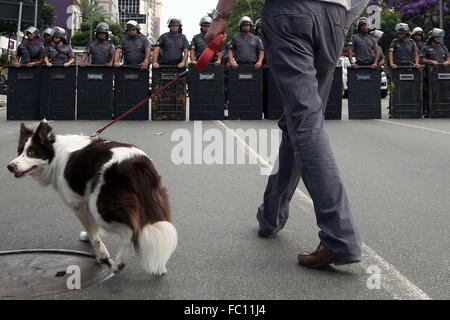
(303, 42)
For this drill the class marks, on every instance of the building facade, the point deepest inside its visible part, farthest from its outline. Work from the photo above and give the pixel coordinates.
(110, 9)
(144, 12)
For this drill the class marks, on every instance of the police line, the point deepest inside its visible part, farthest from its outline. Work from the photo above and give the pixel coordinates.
(103, 93)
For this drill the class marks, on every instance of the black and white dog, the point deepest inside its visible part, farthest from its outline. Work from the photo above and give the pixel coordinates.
(109, 185)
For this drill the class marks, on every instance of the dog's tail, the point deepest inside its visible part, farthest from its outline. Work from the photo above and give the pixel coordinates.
(156, 244)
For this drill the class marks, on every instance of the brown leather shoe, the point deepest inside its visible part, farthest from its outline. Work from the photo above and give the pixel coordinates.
(319, 258)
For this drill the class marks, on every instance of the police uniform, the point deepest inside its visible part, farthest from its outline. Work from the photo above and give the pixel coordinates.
(365, 49)
(437, 53)
(246, 49)
(199, 45)
(58, 55)
(133, 48)
(47, 46)
(172, 48)
(380, 50)
(403, 52)
(303, 41)
(102, 53)
(30, 52)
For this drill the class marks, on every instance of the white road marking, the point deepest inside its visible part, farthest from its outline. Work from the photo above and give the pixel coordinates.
(413, 126)
(408, 125)
(392, 280)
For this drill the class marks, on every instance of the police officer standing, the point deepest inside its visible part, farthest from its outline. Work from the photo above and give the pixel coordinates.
(48, 39)
(417, 35)
(60, 53)
(306, 38)
(245, 47)
(434, 52)
(198, 44)
(134, 46)
(30, 52)
(403, 50)
(377, 35)
(364, 46)
(172, 48)
(101, 50)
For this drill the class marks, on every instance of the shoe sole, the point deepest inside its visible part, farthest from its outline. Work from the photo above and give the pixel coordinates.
(321, 265)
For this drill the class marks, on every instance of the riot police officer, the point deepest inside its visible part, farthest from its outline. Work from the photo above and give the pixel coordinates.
(30, 52)
(134, 46)
(364, 47)
(417, 35)
(60, 53)
(403, 50)
(377, 35)
(198, 44)
(101, 50)
(245, 47)
(48, 38)
(172, 48)
(434, 52)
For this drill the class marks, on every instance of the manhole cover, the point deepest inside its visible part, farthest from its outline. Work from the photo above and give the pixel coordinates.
(33, 273)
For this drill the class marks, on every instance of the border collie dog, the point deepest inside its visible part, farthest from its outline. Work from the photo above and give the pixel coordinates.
(109, 185)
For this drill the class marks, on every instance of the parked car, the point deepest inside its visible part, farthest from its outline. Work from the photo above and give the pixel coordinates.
(345, 63)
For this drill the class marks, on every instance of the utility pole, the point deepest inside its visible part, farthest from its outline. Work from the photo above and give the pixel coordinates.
(35, 13)
(251, 10)
(90, 34)
(19, 22)
(441, 14)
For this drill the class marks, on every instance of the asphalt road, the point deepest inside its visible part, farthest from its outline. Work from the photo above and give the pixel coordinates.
(397, 177)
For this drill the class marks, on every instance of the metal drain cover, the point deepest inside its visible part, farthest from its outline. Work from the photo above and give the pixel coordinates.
(33, 273)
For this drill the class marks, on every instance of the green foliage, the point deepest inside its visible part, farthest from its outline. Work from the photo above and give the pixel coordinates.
(240, 9)
(91, 7)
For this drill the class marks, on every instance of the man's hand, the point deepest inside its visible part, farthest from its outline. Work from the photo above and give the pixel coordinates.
(66, 64)
(109, 64)
(156, 65)
(434, 62)
(217, 63)
(194, 63)
(373, 66)
(258, 65)
(144, 65)
(217, 26)
(180, 65)
(48, 64)
(234, 65)
(83, 64)
(417, 66)
(17, 64)
(394, 66)
(446, 63)
(355, 66)
(30, 64)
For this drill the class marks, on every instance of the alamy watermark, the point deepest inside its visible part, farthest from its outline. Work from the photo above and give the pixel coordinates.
(232, 147)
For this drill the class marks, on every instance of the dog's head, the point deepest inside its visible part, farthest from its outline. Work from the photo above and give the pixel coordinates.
(35, 150)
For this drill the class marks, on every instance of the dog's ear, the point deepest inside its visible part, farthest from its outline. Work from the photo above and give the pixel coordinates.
(44, 133)
(24, 131)
(25, 134)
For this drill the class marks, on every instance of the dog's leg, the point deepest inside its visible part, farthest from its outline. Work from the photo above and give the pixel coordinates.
(123, 255)
(93, 233)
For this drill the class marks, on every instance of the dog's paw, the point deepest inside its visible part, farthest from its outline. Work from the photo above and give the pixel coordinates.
(117, 267)
(108, 261)
(84, 237)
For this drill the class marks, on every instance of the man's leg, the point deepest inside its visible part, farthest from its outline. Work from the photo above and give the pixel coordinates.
(302, 46)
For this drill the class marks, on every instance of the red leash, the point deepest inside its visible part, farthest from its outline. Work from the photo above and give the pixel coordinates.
(181, 75)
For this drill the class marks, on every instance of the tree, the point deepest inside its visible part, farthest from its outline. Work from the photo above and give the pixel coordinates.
(240, 9)
(91, 7)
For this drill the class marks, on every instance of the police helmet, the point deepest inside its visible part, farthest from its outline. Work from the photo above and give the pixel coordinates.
(48, 32)
(245, 20)
(362, 21)
(437, 33)
(174, 22)
(205, 21)
(377, 34)
(258, 24)
(61, 33)
(402, 28)
(417, 30)
(132, 25)
(33, 31)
